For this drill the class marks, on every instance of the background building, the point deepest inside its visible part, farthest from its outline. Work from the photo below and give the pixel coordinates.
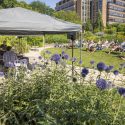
(82, 8)
(113, 11)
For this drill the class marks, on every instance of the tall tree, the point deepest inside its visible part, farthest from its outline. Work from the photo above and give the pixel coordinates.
(41, 7)
(8, 3)
(88, 25)
(68, 16)
(99, 22)
(23, 4)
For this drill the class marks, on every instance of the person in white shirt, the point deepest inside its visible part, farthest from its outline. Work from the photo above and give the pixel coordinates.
(9, 57)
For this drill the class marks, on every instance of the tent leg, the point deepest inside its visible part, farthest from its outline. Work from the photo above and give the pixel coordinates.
(80, 38)
(72, 59)
(44, 46)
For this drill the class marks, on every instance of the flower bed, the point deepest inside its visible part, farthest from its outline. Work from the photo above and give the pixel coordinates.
(49, 96)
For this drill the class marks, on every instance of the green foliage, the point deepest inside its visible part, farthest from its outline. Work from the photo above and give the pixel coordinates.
(99, 24)
(120, 36)
(112, 30)
(98, 56)
(56, 38)
(35, 41)
(41, 7)
(8, 3)
(49, 99)
(19, 45)
(23, 4)
(88, 25)
(70, 16)
(90, 36)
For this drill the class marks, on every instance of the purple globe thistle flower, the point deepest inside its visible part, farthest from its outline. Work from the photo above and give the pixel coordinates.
(80, 62)
(66, 56)
(121, 91)
(74, 59)
(55, 58)
(107, 69)
(84, 72)
(111, 67)
(92, 62)
(63, 52)
(40, 57)
(101, 84)
(101, 66)
(116, 72)
(1, 74)
(48, 52)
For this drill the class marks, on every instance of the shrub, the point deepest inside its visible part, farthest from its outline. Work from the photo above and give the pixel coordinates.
(56, 38)
(35, 41)
(47, 98)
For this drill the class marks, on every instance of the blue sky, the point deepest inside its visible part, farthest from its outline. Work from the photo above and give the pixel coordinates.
(51, 3)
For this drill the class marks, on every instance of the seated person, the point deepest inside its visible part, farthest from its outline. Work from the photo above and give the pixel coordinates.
(4, 45)
(9, 57)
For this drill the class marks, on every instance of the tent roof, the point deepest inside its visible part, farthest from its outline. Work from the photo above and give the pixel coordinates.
(20, 21)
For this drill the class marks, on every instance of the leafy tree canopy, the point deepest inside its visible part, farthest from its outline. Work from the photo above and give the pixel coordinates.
(70, 16)
(41, 7)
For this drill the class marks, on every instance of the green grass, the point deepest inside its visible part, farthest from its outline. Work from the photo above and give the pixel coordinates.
(98, 56)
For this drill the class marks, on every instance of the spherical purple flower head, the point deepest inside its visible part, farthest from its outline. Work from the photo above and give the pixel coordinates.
(1, 74)
(56, 58)
(101, 66)
(66, 56)
(74, 59)
(111, 67)
(84, 72)
(40, 57)
(121, 91)
(63, 52)
(80, 62)
(101, 84)
(92, 62)
(116, 72)
(48, 52)
(107, 69)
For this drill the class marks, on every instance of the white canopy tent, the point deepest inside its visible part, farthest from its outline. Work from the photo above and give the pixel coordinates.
(20, 21)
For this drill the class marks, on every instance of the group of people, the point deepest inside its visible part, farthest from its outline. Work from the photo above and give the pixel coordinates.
(7, 55)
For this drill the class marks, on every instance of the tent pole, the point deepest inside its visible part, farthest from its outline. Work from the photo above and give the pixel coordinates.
(72, 58)
(80, 35)
(44, 46)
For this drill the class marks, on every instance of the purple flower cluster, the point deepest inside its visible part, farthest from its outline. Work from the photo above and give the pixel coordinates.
(101, 66)
(74, 59)
(84, 72)
(108, 68)
(56, 58)
(40, 57)
(92, 62)
(121, 91)
(101, 84)
(80, 62)
(116, 72)
(48, 52)
(66, 56)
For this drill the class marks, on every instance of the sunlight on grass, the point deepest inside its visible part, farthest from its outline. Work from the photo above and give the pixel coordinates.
(98, 56)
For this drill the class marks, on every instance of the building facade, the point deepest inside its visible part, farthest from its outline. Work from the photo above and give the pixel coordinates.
(113, 11)
(116, 11)
(81, 7)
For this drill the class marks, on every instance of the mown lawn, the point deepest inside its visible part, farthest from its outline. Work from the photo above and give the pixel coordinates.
(98, 56)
